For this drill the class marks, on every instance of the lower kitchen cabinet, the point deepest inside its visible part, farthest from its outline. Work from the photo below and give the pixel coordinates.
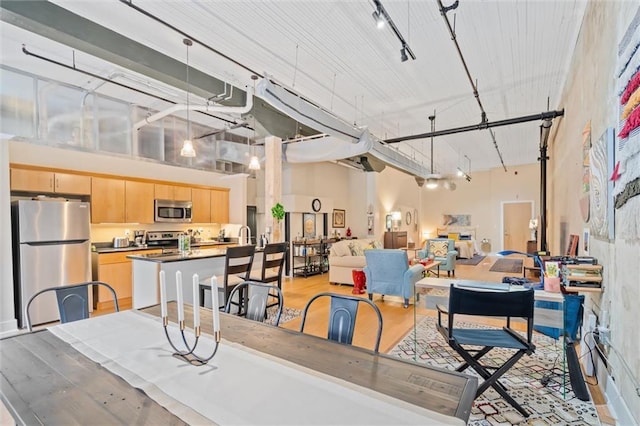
(115, 270)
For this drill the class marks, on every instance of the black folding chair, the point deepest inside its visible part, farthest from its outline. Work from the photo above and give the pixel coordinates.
(342, 317)
(73, 301)
(465, 341)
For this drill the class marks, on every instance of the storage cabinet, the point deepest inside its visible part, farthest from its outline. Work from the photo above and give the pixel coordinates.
(395, 239)
(219, 206)
(201, 199)
(107, 200)
(49, 182)
(138, 202)
(172, 192)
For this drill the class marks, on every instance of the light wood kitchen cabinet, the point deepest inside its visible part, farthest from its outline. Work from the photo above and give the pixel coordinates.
(139, 202)
(201, 199)
(172, 192)
(44, 181)
(219, 206)
(107, 200)
(116, 270)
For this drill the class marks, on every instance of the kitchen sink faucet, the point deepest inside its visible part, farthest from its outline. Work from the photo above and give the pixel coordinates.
(248, 234)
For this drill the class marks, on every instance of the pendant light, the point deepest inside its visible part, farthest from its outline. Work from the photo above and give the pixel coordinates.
(187, 146)
(431, 182)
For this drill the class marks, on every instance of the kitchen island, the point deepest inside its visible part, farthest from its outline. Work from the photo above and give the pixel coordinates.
(147, 267)
(205, 263)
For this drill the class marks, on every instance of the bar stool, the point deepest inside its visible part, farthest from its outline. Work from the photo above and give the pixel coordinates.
(237, 267)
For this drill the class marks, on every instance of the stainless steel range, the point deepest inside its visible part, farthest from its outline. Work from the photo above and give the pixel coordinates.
(166, 240)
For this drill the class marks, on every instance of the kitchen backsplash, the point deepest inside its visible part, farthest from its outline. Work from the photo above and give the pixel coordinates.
(106, 232)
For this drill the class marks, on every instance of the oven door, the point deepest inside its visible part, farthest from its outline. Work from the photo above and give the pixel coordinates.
(172, 211)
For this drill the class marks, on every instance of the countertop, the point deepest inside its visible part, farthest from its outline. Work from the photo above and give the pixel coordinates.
(191, 255)
(108, 247)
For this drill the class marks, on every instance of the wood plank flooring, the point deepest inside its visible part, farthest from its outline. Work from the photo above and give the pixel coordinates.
(398, 321)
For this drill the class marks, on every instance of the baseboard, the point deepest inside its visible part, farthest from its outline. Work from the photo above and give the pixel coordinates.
(8, 328)
(616, 404)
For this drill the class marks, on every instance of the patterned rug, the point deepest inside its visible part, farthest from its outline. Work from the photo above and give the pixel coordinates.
(288, 314)
(545, 403)
(477, 258)
(507, 265)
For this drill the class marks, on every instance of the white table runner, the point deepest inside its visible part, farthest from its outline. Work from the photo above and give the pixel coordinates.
(239, 386)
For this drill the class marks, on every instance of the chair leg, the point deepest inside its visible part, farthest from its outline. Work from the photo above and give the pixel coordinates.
(371, 296)
(406, 303)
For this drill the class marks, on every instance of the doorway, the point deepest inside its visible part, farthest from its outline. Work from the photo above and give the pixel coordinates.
(515, 224)
(252, 212)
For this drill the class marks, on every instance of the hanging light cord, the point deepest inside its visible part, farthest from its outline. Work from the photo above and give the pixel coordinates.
(188, 43)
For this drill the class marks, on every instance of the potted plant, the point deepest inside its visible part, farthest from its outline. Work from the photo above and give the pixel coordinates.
(277, 212)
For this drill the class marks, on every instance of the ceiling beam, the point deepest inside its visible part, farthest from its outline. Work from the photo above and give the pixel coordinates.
(480, 126)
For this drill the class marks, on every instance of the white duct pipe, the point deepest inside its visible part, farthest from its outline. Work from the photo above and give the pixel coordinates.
(326, 148)
(202, 108)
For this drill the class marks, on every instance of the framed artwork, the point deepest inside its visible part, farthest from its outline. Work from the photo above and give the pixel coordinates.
(370, 224)
(309, 225)
(408, 217)
(388, 222)
(585, 240)
(338, 218)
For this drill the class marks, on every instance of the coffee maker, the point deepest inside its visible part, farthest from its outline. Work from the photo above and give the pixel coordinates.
(140, 237)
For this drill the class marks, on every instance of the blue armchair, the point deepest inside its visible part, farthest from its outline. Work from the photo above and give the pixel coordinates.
(388, 272)
(444, 251)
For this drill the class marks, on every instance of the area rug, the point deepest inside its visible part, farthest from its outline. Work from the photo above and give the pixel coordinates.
(546, 404)
(477, 258)
(288, 314)
(507, 265)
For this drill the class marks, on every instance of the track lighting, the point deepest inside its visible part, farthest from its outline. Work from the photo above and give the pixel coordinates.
(382, 18)
(187, 149)
(379, 18)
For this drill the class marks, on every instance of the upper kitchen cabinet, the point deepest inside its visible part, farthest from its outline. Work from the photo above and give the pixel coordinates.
(172, 192)
(201, 199)
(107, 200)
(220, 206)
(51, 182)
(138, 202)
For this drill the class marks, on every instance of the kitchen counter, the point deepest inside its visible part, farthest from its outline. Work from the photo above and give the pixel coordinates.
(179, 257)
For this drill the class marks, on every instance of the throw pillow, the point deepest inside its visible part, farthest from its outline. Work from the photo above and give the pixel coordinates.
(374, 244)
(453, 236)
(439, 248)
(356, 249)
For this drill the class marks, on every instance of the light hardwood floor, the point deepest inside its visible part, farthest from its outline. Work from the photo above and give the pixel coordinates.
(398, 321)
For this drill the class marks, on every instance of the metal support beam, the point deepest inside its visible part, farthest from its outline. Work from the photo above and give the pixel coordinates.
(480, 126)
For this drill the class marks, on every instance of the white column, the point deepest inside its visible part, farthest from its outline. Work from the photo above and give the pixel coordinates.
(273, 183)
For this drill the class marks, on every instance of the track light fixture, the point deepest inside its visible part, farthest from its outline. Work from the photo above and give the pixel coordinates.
(379, 18)
(382, 18)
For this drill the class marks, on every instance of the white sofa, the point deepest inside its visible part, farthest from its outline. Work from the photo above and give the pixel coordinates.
(347, 255)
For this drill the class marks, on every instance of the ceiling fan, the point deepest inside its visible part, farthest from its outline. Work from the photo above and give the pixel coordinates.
(432, 179)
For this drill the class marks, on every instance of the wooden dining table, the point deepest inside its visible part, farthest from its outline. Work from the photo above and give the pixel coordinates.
(45, 380)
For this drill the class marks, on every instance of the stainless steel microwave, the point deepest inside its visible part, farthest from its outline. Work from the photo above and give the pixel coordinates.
(172, 211)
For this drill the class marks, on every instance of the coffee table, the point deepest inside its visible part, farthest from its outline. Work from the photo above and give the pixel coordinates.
(428, 267)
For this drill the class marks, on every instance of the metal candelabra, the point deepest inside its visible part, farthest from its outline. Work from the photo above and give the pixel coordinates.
(189, 354)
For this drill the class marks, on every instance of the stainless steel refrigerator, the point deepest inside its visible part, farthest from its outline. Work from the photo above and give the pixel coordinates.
(51, 247)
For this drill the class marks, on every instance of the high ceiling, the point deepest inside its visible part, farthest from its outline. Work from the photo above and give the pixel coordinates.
(330, 52)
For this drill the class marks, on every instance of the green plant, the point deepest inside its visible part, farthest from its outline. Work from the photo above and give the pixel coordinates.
(277, 212)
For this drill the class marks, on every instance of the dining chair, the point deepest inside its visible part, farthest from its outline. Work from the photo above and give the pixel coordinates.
(73, 301)
(472, 343)
(342, 317)
(237, 267)
(273, 258)
(256, 295)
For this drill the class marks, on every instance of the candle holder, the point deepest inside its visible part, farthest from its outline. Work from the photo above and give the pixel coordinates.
(189, 354)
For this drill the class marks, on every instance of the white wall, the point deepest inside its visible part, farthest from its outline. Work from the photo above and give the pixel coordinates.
(8, 322)
(590, 96)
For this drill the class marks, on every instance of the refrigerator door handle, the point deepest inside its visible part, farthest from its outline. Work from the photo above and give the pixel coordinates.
(55, 243)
